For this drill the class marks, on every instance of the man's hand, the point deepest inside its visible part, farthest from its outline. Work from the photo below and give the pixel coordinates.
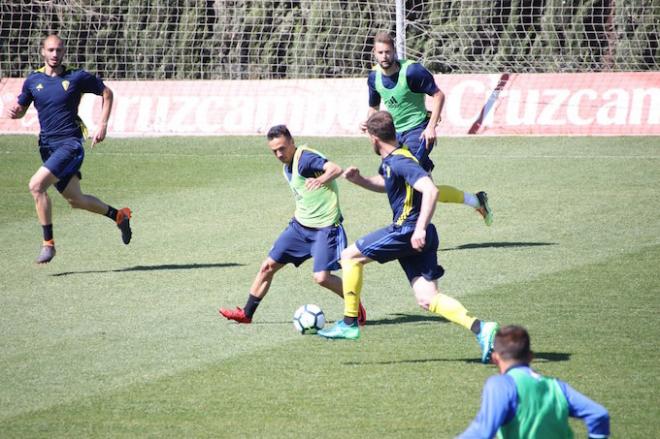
(418, 239)
(312, 184)
(429, 136)
(352, 174)
(99, 136)
(15, 111)
(363, 126)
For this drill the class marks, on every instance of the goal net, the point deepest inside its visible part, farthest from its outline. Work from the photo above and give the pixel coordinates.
(259, 39)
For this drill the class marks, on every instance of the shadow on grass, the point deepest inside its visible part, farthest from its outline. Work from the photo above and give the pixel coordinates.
(497, 245)
(539, 357)
(152, 268)
(397, 319)
(405, 318)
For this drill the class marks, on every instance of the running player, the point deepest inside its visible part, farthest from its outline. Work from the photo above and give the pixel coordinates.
(56, 91)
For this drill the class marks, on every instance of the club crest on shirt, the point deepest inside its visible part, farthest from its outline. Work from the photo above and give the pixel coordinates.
(39, 87)
(65, 85)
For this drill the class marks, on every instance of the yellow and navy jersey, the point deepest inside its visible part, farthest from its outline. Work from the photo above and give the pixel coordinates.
(401, 171)
(310, 165)
(56, 99)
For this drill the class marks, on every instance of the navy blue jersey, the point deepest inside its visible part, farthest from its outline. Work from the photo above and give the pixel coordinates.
(401, 171)
(310, 165)
(56, 99)
(420, 80)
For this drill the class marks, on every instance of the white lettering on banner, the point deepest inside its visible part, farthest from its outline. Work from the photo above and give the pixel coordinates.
(512, 99)
(639, 95)
(186, 107)
(456, 98)
(261, 121)
(619, 105)
(161, 114)
(574, 105)
(240, 116)
(206, 110)
(144, 119)
(122, 111)
(548, 112)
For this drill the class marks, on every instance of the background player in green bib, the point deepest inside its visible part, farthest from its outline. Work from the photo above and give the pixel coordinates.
(402, 86)
(522, 404)
(315, 231)
(56, 92)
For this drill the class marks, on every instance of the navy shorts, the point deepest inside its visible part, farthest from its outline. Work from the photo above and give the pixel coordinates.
(63, 157)
(393, 242)
(417, 146)
(298, 243)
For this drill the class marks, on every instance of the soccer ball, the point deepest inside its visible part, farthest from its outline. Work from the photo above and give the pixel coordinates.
(308, 319)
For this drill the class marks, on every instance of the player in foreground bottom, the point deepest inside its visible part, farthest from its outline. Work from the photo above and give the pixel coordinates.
(520, 403)
(56, 91)
(316, 229)
(411, 238)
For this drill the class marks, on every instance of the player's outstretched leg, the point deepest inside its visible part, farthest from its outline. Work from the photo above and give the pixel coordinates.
(47, 252)
(341, 330)
(486, 339)
(124, 224)
(484, 209)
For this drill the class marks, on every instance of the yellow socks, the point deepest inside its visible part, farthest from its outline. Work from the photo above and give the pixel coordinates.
(449, 194)
(352, 286)
(451, 309)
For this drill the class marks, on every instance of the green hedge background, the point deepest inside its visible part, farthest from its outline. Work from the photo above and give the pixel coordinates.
(222, 39)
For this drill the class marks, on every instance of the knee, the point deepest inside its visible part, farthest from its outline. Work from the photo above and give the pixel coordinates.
(322, 278)
(345, 254)
(267, 268)
(36, 187)
(424, 299)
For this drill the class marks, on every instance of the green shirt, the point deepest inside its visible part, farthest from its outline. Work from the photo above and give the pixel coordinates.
(408, 109)
(542, 410)
(318, 208)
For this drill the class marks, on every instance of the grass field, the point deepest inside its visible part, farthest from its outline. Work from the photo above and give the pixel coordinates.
(125, 341)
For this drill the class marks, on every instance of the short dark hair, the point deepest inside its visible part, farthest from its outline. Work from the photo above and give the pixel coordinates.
(512, 342)
(384, 37)
(278, 131)
(381, 125)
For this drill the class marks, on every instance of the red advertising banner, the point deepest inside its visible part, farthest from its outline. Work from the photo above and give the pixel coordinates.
(494, 104)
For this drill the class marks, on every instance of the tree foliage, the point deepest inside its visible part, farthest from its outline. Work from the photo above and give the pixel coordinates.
(255, 39)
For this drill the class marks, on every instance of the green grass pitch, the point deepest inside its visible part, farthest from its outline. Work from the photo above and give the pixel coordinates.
(125, 341)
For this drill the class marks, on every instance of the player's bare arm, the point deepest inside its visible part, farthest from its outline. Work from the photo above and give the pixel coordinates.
(375, 183)
(330, 172)
(429, 134)
(106, 108)
(16, 111)
(429, 198)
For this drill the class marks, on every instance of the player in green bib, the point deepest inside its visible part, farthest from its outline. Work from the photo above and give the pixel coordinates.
(402, 86)
(315, 231)
(522, 404)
